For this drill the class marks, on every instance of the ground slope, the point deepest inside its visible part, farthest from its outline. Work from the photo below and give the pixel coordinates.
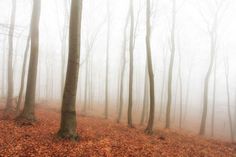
(100, 138)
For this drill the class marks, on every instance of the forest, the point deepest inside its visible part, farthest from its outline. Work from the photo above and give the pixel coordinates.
(122, 78)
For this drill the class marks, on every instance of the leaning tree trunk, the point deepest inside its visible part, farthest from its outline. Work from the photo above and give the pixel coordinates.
(68, 112)
(149, 128)
(10, 87)
(131, 49)
(169, 100)
(206, 86)
(22, 85)
(29, 107)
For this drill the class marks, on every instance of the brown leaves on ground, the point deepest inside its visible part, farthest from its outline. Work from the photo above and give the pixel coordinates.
(100, 138)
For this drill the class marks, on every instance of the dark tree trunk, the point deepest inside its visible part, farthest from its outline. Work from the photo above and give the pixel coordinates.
(68, 112)
(149, 128)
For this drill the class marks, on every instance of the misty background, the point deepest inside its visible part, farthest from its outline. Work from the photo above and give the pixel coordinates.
(193, 45)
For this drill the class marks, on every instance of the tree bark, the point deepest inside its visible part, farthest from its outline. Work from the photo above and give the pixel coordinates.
(123, 63)
(149, 128)
(131, 49)
(169, 100)
(23, 76)
(228, 100)
(107, 61)
(68, 112)
(10, 87)
(28, 112)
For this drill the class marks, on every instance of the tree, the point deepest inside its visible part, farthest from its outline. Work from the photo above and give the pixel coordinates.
(214, 101)
(10, 87)
(145, 94)
(107, 59)
(180, 87)
(3, 73)
(172, 57)
(212, 30)
(122, 75)
(228, 99)
(28, 112)
(131, 51)
(22, 85)
(68, 112)
(149, 128)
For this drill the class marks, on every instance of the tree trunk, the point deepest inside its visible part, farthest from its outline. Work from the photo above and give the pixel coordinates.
(68, 112)
(162, 89)
(131, 49)
(10, 87)
(228, 101)
(145, 100)
(107, 60)
(149, 128)
(29, 107)
(123, 63)
(213, 103)
(180, 89)
(86, 87)
(23, 75)
(3, 72)
(206, 86)
(169, 100)
(64, 47)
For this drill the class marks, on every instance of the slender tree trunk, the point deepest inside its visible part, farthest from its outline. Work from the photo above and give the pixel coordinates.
(169, 100)
(180, 89)
(23, 75)
(68, 112)
(145, 102)
(123, 63)
(86, 87)
(187, 92)
(214, 102)
(107, 60)
(149, 128)
(228, 101)
(131, 49)
(3, 73)
(10, 87)
(206, 86)
(29, 107)
(162, 89)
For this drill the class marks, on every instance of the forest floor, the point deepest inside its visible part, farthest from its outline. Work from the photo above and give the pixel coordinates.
(102, 138)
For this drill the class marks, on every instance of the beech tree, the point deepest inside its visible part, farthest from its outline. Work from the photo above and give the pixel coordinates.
(68, 111)
(10, 83)
(149, 128)
(131, 51)
(22, 85)
(28, 112)
(107, 60)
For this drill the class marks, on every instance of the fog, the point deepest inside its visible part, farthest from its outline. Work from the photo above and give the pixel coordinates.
(195, 20)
